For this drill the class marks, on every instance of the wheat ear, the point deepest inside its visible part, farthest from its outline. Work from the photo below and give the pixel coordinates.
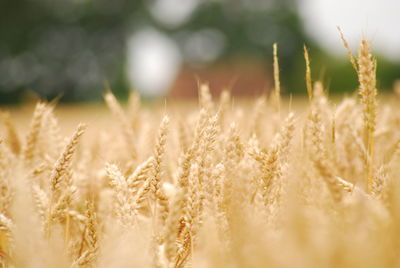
(12, 134)
(368, 92)
(33, 133)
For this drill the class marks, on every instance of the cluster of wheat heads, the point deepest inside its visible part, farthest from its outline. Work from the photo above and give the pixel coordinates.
(222, 185)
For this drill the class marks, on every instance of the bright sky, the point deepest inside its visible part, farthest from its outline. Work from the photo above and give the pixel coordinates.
(153, 62)
(378, 20)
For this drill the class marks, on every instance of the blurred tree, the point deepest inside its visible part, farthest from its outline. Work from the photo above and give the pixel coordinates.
(57, 46)
(72, 46)
(251, 27)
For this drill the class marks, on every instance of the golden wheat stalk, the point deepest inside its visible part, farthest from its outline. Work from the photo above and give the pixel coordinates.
(12, 134)
(368, 92)
(127, 130)
(308, 74)
(31, 141)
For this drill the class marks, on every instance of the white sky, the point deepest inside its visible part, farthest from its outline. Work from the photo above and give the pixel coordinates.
(153, 61)
(378, 20)
(173, 12)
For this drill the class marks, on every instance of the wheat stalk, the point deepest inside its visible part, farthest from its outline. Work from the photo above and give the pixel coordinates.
(368, 92)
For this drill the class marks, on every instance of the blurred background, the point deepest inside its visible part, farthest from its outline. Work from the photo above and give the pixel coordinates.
(164, 47)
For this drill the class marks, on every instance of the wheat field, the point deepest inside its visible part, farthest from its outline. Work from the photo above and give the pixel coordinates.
(221, 183)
